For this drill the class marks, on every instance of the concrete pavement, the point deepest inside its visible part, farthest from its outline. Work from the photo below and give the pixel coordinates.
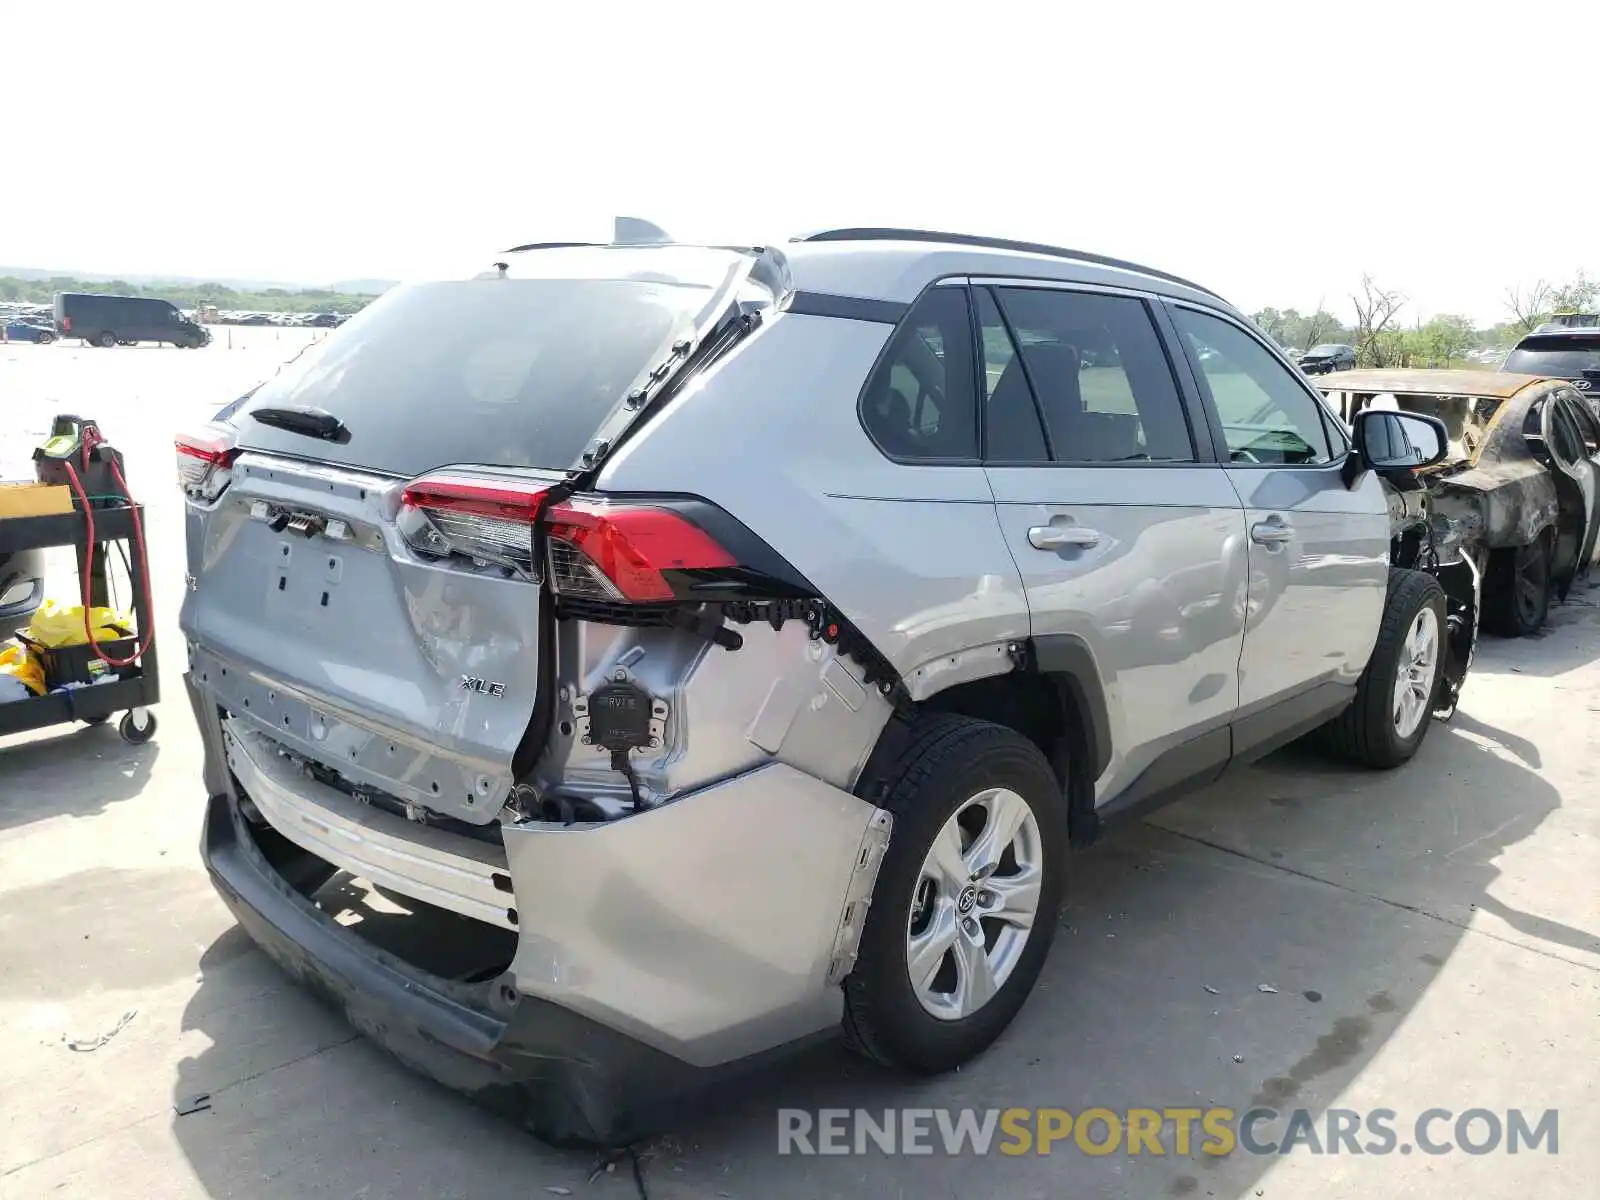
(1432, 936)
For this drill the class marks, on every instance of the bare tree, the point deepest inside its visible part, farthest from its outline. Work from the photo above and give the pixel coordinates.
(1320, 325)
(1376, 310)
(1528, 308)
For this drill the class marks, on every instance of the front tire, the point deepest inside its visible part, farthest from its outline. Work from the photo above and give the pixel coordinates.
(44, 338)
(105, 340)
(967, 898)
(1517, 593)
(1395, 698)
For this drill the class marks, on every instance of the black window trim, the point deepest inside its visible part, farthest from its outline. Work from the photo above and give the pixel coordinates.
(1203, 450)
(1338, 450)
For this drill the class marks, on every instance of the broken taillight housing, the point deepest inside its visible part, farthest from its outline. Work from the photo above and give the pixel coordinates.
(599, 549)
(205, 462)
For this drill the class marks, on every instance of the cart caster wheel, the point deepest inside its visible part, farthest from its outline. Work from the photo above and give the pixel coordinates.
(138, 726)
(94, 720)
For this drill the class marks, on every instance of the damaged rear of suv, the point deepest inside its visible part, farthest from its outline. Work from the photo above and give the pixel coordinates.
(737, 637)
(427, 649)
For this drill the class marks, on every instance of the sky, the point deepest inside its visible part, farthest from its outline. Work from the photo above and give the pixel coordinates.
(1274, 152)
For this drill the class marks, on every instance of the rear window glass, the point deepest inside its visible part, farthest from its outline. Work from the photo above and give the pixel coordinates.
(1567, 357)
(499, 371)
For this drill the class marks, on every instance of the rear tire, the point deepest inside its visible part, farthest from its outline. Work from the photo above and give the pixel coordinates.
(1382, 727)
(1516, 596)
(996, 911)
(105, 340)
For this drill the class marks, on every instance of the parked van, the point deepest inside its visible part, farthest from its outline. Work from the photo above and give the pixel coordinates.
(125, 320)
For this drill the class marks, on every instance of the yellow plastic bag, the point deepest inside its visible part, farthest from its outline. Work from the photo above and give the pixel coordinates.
(57, 625)
(23, 665)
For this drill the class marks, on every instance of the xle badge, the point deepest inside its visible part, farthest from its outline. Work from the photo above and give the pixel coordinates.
(484, 687)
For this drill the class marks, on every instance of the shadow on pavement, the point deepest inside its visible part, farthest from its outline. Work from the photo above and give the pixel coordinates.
(1301, 876)
(78, 772)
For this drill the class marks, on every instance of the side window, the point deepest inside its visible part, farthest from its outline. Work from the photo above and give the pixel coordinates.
(1011, 429)
(1101, 378)
(1267, 416)
(1569, 446)
(1588, 429)
(919, 401)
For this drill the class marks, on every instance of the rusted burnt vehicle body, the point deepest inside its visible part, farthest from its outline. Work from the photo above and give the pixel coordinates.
(1519, 492)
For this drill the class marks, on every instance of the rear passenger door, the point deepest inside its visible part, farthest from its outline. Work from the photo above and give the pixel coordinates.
(1127, 535)
(1589, 434)
(1562, 425)
(1319, 549)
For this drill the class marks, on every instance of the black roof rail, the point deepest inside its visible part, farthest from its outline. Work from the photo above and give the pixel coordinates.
(550, 246)
(882, 234)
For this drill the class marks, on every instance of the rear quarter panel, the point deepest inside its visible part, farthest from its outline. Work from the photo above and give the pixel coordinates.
(911, 555)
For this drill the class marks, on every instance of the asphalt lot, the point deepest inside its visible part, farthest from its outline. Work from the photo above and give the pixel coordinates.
(1432, 936)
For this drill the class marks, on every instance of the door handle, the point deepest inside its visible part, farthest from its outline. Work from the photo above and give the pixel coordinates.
(1271, 533)
(1058, 537)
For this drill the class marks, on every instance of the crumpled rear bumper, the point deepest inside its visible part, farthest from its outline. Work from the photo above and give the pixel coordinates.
(656, 954)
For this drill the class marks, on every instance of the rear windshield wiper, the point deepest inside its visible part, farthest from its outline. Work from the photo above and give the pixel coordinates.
(313, 422)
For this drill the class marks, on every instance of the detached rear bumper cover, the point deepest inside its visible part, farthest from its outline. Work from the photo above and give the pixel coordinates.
(642, 975)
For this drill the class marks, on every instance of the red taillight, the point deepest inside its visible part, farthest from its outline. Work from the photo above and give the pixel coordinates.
(632, 546)
(66, 324)
(204, 460)
(510, 501)
(602, 549)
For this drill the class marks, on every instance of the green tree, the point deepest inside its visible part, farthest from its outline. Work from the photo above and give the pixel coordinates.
(1578, 295)
(1444, 339)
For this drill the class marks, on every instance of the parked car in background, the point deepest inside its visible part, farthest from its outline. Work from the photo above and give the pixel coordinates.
(738, 659)
(1570, 353)
(1519, 486)
(20, 329)
(1331, 356)
(125, 320)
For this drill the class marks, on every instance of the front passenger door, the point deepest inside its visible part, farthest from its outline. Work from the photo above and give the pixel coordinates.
(1319, 550)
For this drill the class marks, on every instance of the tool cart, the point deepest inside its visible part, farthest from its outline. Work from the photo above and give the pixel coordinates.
(92, 681)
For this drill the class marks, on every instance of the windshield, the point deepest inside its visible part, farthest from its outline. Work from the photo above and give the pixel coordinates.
(502, 371)
(1328, 350)
(1567, 358)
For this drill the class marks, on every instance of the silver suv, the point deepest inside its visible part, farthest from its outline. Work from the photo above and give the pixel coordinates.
(736, 638)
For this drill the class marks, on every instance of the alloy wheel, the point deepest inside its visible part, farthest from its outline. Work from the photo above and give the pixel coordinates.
(1419, 668)
(976, 899)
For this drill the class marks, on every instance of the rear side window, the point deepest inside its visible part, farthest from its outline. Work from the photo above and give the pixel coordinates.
(919, 402)
(517, 372)
(1267, 417)
(1101, 378)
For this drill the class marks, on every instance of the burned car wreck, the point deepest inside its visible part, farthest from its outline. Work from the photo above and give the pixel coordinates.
(1518, 494)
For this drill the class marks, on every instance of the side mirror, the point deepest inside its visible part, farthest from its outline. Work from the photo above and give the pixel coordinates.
(1389, 441)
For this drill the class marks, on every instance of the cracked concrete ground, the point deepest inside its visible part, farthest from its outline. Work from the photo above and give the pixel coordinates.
(1433, 936)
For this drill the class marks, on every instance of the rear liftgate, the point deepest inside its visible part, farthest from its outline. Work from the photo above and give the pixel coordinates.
(667, 561)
